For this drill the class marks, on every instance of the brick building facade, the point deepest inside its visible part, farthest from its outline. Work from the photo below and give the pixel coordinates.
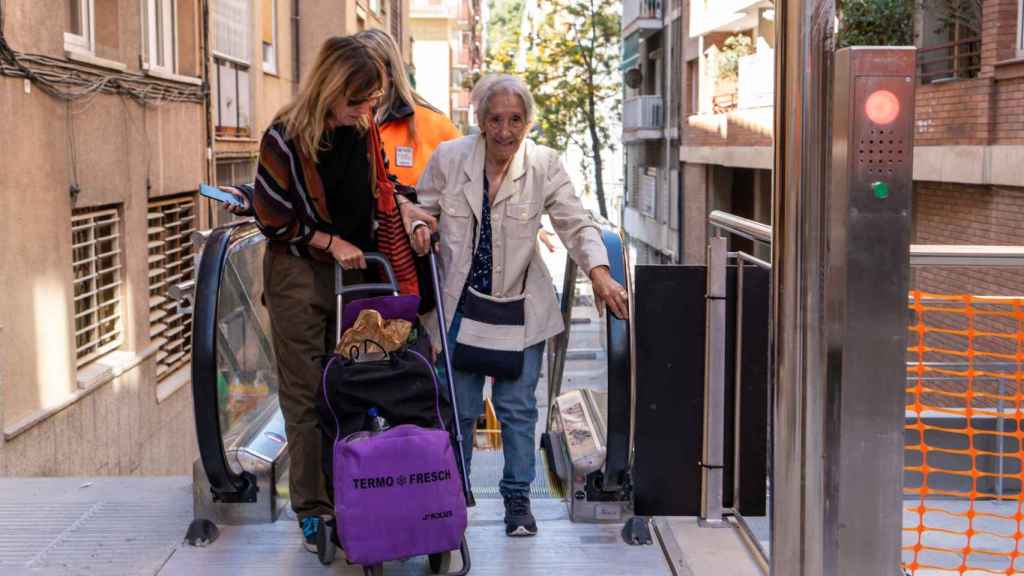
(968, 145)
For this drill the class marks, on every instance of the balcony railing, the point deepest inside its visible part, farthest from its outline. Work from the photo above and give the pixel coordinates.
(951, 61)
(633, 10)
(643, 113)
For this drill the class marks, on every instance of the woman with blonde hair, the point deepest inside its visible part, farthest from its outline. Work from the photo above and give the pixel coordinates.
(316, 196)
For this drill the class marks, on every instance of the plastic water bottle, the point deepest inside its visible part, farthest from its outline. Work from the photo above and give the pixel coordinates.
(377, 422)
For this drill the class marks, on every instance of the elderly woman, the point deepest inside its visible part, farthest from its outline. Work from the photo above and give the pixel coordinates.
(490, 191)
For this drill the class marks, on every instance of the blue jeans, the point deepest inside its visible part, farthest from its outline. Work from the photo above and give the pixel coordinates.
(515, 403)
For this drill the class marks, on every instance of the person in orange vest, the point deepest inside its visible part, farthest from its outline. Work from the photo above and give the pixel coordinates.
(410, 128)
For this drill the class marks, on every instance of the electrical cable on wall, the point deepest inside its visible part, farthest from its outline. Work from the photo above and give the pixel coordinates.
(70, 82)
(67, 80)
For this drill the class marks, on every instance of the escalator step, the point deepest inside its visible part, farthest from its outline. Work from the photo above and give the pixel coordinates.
(486, 471)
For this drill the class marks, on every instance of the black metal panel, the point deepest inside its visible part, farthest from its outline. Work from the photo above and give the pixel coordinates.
(754, 395)
(670, 352)
(669, 324)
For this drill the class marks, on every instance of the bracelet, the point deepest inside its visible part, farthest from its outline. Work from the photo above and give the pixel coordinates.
(329, 242)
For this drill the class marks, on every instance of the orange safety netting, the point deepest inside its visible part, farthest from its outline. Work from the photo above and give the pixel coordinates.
(964, 439)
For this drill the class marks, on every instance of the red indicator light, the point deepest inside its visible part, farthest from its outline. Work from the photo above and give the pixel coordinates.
(882, 107)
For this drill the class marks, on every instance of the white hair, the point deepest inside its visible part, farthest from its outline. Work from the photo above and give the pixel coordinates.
(494, 84)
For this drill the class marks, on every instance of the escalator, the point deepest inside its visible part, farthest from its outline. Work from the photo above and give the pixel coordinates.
(240, 477)
(588, 437)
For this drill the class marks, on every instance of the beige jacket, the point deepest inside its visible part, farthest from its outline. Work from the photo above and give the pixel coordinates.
(452, 187)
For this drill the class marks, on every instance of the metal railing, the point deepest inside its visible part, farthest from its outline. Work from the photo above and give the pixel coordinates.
(920, 255)
(633, 10)
(950, 61)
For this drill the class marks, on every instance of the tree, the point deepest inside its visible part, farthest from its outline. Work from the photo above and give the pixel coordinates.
(876, 23)
(504, 27)
(572, 67)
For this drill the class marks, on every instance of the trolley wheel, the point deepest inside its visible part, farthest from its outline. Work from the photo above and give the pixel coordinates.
(325, 547)
(440, 563)
(375, 570)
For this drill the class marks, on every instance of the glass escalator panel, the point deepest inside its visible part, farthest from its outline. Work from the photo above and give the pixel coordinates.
(246, 369)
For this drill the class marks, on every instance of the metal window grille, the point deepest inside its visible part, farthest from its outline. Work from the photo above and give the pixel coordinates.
(171, 223)
(96, 262)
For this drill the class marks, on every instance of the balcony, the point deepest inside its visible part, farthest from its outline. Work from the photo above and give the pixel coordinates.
(443, 9)
(642, 16)
(643, 118)
(756, 86)
(725, 16)
(950, 61)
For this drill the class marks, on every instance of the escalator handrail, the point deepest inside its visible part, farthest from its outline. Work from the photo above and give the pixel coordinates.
(618, 334)
(620, 380)
(225, 484)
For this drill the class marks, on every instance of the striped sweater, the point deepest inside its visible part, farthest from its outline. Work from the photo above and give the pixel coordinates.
(288, 196)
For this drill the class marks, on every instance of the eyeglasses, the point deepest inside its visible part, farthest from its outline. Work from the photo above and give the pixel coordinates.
(372, 98)
(515, 123)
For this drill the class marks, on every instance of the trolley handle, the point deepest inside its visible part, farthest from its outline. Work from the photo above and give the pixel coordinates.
(391, 286)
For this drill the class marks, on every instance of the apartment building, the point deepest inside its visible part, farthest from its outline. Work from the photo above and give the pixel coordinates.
(114, 113)
(103, 113)
(652, 46)
(699, 82)
(447, 54)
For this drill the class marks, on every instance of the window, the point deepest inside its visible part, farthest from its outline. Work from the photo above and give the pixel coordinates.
(269, 15)
(96, 261)
(161, 35)
(232, 53)
(375, 6)
(232, 172)
(80, 31)
(171, 223)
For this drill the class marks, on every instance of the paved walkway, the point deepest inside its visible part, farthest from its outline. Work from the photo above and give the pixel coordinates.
(136, 526)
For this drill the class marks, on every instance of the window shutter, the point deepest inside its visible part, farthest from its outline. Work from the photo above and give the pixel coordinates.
(231, 25)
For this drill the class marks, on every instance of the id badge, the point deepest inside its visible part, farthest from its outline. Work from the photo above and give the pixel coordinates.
(403, 156)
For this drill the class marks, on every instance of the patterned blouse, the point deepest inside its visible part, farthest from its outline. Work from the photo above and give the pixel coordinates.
(480, 270)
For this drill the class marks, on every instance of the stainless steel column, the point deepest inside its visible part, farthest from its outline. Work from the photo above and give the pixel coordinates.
(803, 76)
(866, 287)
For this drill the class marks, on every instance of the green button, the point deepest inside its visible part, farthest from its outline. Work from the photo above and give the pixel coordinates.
(881, 190)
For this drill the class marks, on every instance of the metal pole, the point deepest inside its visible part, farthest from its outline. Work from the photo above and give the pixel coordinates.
(803, 74)
(714, 385)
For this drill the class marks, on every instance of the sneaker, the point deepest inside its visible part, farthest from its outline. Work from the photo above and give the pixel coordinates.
(519, 520)
(310, 529)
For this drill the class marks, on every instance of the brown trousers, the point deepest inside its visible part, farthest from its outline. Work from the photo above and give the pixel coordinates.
(301, 302)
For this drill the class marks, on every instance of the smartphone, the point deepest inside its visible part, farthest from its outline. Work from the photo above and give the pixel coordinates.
(215, 193)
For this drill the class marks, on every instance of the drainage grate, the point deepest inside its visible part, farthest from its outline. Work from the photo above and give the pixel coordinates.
(97, 538)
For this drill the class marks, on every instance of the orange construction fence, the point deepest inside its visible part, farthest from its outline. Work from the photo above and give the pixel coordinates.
(964, 438)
